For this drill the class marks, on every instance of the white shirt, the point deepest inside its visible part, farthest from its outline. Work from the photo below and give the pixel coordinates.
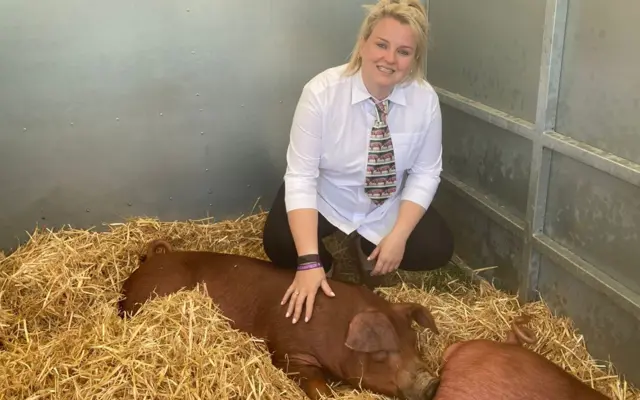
(327, 153)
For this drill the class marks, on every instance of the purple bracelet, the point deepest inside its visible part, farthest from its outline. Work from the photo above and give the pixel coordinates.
(307, 266)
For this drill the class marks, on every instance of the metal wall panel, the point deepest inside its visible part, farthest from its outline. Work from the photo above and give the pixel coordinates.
(480, 241)
(171, 109)
(487, 158)
(609, 331)
(595, 216)
(488, 51)
(599, 100)
(577, 239)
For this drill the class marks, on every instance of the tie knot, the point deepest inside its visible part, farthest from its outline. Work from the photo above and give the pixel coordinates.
(382, 109)
(382, 106)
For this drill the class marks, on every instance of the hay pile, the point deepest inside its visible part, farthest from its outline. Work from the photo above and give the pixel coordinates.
(63, 339)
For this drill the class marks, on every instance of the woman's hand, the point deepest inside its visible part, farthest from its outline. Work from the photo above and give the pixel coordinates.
(303, 289)
(388, 253)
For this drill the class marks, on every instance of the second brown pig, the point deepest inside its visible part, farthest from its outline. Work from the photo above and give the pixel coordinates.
(489, 370)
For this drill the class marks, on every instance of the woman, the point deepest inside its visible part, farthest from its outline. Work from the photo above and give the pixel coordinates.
(346, 167)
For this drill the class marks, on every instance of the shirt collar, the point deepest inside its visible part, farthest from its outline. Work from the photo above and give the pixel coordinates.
(359, 92)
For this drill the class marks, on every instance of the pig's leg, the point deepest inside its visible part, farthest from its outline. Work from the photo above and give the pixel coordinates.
(305, 370)
(311, 380)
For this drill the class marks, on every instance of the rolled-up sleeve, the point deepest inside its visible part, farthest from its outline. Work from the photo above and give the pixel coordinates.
(303, 153)
(424, 175)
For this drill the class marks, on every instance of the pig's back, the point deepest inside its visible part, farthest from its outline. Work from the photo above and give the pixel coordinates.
(249, 292)
(246, 279)
(486, 370)
(239, 276)
(229, 279)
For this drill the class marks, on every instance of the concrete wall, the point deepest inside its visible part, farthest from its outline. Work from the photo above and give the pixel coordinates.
(170, 109)
(541, 108)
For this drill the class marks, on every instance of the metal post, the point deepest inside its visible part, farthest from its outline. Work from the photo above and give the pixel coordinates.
(550, 68)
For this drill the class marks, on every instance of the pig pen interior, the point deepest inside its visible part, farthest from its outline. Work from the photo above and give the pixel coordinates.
(62, 338)
(107, 115)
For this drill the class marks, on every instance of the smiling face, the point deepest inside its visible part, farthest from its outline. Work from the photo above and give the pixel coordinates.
(387, 56)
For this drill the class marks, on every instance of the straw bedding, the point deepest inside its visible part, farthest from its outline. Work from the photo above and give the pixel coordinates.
(61, 337)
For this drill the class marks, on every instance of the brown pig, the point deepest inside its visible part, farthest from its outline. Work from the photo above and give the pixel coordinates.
(356, 337)
(488, 370)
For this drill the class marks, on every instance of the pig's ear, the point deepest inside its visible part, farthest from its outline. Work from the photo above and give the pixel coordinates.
(371, 331)
(418, 313)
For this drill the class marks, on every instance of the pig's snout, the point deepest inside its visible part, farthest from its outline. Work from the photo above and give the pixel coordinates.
(421, 385)
(431, 389)
(428, 385)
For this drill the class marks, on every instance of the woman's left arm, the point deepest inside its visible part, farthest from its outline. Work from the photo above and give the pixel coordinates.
(423, 177)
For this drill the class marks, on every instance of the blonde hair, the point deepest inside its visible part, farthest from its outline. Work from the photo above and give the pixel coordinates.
(409, 12)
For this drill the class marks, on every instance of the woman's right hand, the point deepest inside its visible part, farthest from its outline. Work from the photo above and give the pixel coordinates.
(304, 288)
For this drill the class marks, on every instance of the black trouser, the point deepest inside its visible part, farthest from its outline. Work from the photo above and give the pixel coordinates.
(429, 246)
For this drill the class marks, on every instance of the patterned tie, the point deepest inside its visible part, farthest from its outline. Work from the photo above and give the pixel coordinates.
(380, 181)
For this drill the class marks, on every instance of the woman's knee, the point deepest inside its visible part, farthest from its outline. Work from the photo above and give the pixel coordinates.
(443, 248)
(430, 246)
(277, 241)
